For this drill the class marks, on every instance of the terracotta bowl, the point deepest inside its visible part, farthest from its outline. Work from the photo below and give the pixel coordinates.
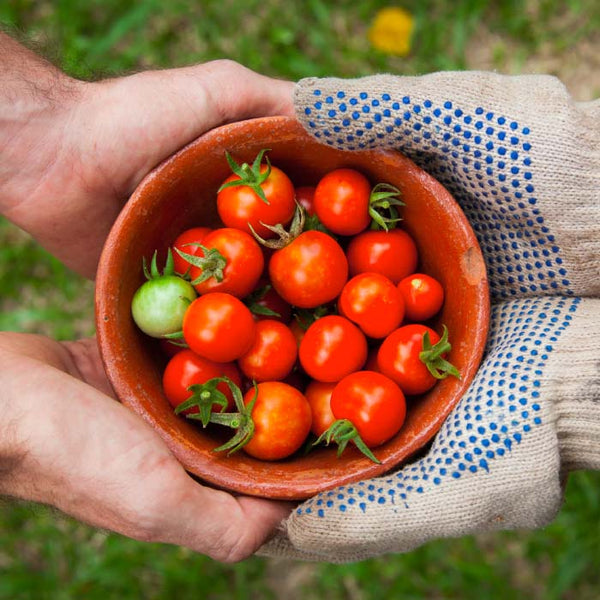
(180, 193)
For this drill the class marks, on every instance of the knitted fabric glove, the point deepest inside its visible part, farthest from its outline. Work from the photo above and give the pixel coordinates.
(523, 161)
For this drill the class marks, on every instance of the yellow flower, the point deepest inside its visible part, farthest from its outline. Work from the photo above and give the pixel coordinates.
(391, 31)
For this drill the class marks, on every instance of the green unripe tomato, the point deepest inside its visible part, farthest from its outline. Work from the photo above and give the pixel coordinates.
(159, 304)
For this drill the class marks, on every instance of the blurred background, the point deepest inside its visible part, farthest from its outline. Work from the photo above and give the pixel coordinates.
(44, 555)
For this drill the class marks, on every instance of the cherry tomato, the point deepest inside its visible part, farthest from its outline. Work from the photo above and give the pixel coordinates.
(309, 271)
(423, 296)
(341, 201)
(391, 253)
(282, 419)
(273, 353)
(187, 242)
(160, 303)
(187, 368)
(219, 327)
(243, 266)
(373, 302)
(331, 348)
(398, 358)
(373, 403)
(318, 394)
(239, 205)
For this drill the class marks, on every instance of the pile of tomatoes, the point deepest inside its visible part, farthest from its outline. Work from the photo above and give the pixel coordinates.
(302, 318)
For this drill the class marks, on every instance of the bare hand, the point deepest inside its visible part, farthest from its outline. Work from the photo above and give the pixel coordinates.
(70, 445)
(87, 145)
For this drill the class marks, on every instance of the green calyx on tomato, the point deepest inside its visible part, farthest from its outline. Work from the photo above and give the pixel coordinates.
(432, 356)
(154, 271)
(250, 175)
(241, 420)
(383, 206)
(204, 395)
(284, 236)
(159, 304)
(342, 431)
(212, 263)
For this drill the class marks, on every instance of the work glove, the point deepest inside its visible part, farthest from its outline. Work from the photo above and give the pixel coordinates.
(522, 159)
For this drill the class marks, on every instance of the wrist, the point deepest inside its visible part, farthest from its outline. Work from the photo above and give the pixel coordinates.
(13, 451)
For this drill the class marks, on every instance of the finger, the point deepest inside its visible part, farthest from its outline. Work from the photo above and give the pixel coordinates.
(215, 523)
(235, 92)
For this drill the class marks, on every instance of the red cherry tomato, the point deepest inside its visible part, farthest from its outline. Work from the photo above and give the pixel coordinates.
(423, 296)
(188, 368)
(309, 271)
(244, 263)
(187, 242)
(219, 327)
(373, 302)
(398, 358)
(240, 205)
(282, 419)
(273, 353)
(331, 348)
(373, 403)
(318, 394)
(341, 201)
(391, 253)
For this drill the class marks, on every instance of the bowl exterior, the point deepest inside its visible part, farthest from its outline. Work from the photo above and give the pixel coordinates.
(180, 193)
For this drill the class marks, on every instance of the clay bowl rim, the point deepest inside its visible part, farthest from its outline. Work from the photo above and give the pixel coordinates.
(240, 473)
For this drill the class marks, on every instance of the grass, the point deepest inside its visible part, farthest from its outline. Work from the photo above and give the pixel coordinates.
(44, 555)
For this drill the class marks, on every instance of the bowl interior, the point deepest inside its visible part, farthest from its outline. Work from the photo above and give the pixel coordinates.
(179, 194)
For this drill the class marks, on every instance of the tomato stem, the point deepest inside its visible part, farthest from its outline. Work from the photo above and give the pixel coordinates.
(383, 206)
(285, 237)
(154, 271)
(241, 420)
(432, 356)
(204, 395)
(212, 263)
(249, 176)
(341, 432)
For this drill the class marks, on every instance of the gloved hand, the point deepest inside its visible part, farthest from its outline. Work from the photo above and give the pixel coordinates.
(523, 160)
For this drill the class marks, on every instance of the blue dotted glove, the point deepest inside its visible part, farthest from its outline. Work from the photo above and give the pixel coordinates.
(523, 161)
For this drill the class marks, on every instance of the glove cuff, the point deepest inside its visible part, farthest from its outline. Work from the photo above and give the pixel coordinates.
(574, 388)
(579, 435)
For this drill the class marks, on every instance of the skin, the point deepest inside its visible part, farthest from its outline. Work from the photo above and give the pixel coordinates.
(64, 440)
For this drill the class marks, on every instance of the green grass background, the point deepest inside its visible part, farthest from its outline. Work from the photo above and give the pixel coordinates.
(44, 555)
